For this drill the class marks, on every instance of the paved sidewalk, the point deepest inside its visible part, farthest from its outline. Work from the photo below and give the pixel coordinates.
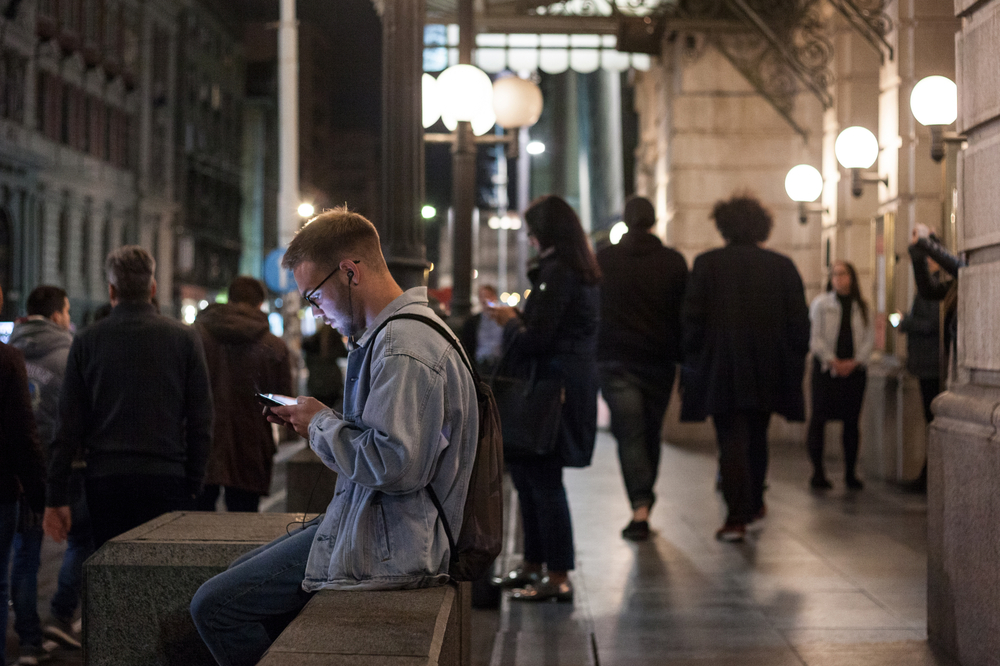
(831, 579)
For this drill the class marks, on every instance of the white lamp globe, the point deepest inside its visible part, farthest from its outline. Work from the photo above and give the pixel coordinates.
(429, 97)
(464, 90)
(934, 101)
(617, 232)
(516, 102)
(803, 183)
(484, 121)
(306, 209)
(856, 148)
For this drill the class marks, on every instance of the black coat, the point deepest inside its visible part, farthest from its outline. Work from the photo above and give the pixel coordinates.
(746, 334)
(559, 329)
(21, 461)
(923, 342)
(642, 288)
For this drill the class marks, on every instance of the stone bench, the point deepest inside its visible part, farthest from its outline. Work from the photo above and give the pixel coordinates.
(426, 627)
(138, 589)
(310, 483)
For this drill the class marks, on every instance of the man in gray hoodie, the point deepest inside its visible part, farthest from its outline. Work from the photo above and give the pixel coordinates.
(44, 338)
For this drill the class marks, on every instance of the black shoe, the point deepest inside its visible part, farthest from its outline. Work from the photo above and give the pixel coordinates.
(820, 482)
(853, 483)
(518, 577)
(545, 590)
(637, 530)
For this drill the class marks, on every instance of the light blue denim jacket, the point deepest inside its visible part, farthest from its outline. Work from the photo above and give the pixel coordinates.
(410, 419)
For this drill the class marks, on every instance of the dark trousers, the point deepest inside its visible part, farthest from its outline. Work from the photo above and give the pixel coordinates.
(929, 388)
(237, 500)
(836, 399)
(120, 503)
(548, 531)
(637, 408)
(742, 438)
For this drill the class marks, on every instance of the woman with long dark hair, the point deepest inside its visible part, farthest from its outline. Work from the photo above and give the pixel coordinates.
(558, 331)
(841, 342)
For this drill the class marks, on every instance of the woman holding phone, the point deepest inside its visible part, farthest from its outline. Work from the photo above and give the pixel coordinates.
(558, 330)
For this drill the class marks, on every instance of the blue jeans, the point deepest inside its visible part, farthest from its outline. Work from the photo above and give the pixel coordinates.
(24, 585)
(79, 546)
(241, 611)
(637, 408)
(548, 530)
(8, 525)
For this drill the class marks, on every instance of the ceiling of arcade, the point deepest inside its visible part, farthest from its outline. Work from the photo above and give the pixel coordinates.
(781, 47)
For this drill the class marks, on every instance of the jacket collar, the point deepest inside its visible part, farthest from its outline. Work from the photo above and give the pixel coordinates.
(414, 296)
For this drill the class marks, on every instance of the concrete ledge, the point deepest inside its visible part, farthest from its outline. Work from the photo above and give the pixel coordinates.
(138, 587)
(369, 628)
(963, 525)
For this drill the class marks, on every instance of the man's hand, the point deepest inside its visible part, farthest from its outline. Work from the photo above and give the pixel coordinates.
(297, 416)
(842, 367)
(56, 522)
(501, 314)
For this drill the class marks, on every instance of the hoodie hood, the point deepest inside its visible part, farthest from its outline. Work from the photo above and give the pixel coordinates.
(233, 323)
(37, 338)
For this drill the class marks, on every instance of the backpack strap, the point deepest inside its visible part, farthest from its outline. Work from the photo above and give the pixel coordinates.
(450, 337)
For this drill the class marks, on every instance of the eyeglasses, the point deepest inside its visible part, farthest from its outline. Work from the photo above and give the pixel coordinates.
(309, 296)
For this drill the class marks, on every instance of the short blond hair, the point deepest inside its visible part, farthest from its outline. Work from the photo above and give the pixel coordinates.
(335, 235)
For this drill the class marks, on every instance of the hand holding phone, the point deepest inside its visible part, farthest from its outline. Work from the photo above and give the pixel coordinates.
(275, 399)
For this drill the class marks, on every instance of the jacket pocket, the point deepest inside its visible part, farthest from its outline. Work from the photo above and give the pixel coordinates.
(382, 545)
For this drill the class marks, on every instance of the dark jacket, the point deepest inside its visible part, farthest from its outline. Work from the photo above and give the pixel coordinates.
(923, 343)
(559, 329)
(642, 289)
(136, 399)
(21, 463)
(934, 287)
(243, 358)
(746, 334)
(45, 346)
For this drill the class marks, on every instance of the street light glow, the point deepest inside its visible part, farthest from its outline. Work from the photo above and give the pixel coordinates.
(856, 148)
(306, 209)
(535, 148)
(617, 231)
(803, 183)
(428, 212)
(934, 101)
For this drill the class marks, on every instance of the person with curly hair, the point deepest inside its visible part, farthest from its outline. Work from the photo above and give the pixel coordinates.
(746, 335)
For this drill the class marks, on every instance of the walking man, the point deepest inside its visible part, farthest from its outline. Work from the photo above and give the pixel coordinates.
(409, 427)
(45, 338)
(638, 346)
(136, 399)
(244, 358)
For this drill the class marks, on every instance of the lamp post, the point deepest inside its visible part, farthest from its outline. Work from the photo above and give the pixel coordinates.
(804, 184)
(469, 104)
(857, 149)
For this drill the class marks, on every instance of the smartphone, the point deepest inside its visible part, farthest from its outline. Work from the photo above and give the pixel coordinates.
(275, 400)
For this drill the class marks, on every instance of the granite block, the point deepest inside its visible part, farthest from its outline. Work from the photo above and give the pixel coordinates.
(311, 484)
(428, 626)
(139, 585)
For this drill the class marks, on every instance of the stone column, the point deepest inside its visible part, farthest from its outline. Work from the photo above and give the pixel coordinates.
(463, 185)
(402, 141)
(963, 616)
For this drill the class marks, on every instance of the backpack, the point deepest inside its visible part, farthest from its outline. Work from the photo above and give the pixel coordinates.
(481, 537)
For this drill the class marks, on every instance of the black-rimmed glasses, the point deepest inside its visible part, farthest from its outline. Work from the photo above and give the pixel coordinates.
(308, 296)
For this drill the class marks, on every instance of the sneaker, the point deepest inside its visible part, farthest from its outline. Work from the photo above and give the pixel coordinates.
(518, 577)
(637, 530)
(62, 631)
(31, 655)
(545, 590)
(731, 532)
(853, 483)
(820, 482)
(758, 518)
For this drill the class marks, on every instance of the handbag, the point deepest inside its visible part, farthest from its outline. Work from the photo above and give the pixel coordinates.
(530, 412)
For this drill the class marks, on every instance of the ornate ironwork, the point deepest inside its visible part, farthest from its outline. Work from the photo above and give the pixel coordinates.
(868, 17)
(605, 8)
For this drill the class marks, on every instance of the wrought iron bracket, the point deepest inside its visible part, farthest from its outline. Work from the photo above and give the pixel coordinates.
(871, 23)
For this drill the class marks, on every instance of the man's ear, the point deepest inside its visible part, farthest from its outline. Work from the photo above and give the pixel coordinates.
(152, 290)
(351, 271)
(112, 294)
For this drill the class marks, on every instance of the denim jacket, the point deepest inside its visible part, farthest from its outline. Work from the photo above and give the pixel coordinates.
(410, 419)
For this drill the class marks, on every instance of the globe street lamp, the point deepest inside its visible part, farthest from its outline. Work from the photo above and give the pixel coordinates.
(857, 149)
(934, 103)
(804, 184)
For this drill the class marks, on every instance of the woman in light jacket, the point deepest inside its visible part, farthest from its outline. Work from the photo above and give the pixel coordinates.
(841, 344)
